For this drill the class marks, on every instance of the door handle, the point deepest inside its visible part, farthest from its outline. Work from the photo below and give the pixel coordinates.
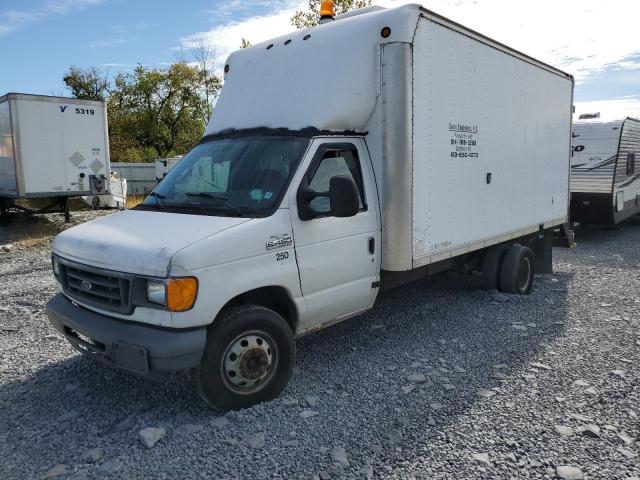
(372, 245)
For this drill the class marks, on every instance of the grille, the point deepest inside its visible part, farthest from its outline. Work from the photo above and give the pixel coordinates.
(97, 287)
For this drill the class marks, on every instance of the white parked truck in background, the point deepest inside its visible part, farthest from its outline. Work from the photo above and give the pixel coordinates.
(52, 147)
(379, 148)
(164, 166)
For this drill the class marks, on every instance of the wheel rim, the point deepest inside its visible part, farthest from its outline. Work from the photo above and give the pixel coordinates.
(524, 274)
(249, 362)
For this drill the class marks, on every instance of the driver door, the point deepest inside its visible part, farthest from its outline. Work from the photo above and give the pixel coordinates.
(338, 258)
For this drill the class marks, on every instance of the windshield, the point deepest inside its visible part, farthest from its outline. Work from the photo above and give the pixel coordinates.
(230, 176)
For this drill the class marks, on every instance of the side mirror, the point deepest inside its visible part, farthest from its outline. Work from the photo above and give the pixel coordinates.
(343, 195)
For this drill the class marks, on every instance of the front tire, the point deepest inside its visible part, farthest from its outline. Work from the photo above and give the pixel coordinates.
(248, 359)
(517, 270)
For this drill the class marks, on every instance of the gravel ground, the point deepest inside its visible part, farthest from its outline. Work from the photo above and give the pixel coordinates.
(440, 380)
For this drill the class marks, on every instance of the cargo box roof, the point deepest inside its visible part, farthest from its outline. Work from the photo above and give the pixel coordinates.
(325, 77)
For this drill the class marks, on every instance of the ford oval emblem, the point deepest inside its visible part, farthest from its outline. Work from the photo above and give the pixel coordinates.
(85, 285)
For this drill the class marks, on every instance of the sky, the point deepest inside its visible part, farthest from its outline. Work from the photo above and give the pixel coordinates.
(595, 40)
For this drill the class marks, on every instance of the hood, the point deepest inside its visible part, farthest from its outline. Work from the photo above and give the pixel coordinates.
(139, 242)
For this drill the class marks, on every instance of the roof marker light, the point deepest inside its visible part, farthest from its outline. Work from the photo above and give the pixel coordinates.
(327, 11)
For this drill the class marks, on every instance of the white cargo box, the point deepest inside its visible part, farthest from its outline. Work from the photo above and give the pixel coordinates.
(52, 147)
(470, 140)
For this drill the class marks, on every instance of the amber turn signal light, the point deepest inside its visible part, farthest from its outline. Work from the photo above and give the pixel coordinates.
(181, 293)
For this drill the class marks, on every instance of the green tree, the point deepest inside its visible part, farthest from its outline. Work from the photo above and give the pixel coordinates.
(311, 17)
(152, 112)
(89, 84)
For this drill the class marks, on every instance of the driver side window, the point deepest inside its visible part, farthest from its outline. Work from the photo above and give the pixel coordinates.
(334, 162)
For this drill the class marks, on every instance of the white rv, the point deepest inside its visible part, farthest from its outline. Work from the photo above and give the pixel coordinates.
(52, 147)
(380, 148)
(605, 180)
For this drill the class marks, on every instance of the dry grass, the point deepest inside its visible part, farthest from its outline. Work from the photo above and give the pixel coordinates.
(134, 200)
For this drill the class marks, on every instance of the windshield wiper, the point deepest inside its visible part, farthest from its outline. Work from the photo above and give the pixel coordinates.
(160, 199)
(220, 199)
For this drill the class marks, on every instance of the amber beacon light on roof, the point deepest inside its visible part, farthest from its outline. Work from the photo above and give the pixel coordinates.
(327, 11)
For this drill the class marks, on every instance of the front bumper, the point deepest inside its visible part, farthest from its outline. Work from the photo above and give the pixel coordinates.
(134, 347)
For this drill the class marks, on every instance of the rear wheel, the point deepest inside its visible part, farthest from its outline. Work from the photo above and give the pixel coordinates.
(491, 266)
(517, 270)
(248, 358)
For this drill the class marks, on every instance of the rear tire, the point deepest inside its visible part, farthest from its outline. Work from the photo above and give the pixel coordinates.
(491, 267)
(517, 270)
(248, 358)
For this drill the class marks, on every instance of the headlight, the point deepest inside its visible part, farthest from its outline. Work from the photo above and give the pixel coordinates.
(156, 292)
(178, 294)
(56, 267)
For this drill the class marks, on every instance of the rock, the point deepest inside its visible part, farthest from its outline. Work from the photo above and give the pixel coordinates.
(628, 440)
(188, 428)
(435, 406)
(459, 370)
(499, 297)
(323, 475)
(375, 448)
(564, 431)
(541, 366)
(568, 472)
(290, 402)
(67, 417)
(590, 391)
(581, 418)
(482, 457)
(618, 373)
(367, 471)
(484, 393)
(581, 383)
(448, 387)
(627, 453)
(150, 436)
(394, 435)
(430, 421)
(511, 457)
(517, 326)
(311, 400)
(290, 443)
(110, 466)
(57, 471)
(127, 423)
(406, 389)
(7, 247)
(415, 365)
(339, 457)
(256, 440)
(308, 414)
(219, 422)
(417, 378)
(71, 387)
(591, 430)
(94, 455)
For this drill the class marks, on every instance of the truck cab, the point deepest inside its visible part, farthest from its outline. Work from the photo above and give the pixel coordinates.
(247, 225)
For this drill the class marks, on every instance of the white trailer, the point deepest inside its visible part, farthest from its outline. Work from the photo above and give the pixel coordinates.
(605, 180)
(116, 198)
(52, 147)
(380, 148)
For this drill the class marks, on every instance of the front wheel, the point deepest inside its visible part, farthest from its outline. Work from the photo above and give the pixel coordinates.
(248, 358)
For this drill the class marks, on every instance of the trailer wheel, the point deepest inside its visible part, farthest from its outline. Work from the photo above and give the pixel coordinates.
(517, 270)
(248, 359)
(491, 265)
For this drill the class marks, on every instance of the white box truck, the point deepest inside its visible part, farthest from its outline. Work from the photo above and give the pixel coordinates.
(52, 147)
(379, 148)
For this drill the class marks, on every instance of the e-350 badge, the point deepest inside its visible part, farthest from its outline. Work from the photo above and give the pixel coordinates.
(279, 241)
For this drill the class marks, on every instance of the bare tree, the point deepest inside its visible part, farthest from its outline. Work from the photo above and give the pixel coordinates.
(205, 56)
